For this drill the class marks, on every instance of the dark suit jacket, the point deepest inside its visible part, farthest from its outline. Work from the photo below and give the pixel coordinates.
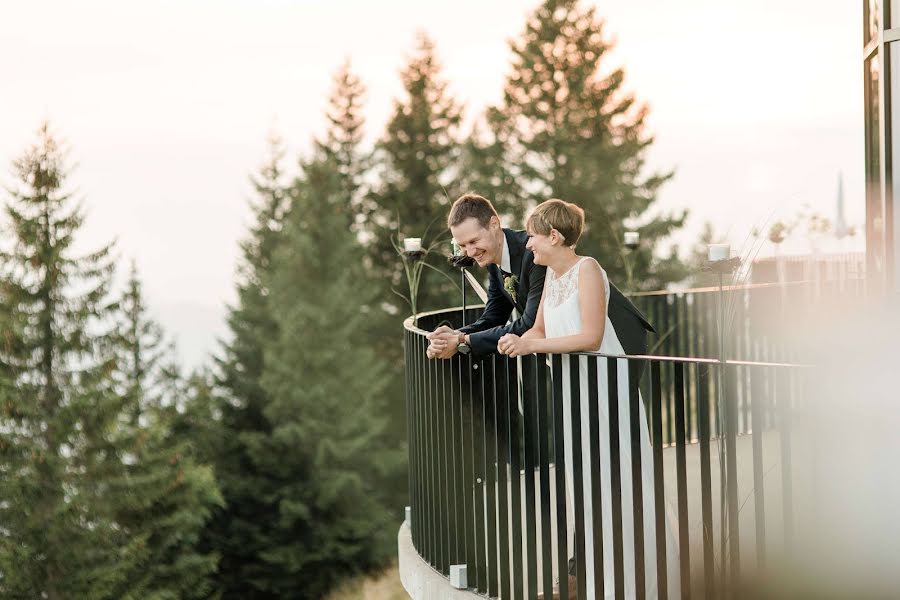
(492, 325)
(631, 326)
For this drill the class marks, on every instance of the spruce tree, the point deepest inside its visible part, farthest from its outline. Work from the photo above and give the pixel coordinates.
(572, 132)
(172, 495)
(341, 148)
(320, 457)
(325, 453)
(239, 532)
(417, 165)
(486, 168)
(61, 442)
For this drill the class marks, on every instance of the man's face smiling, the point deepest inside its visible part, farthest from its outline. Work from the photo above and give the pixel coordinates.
(485, 245)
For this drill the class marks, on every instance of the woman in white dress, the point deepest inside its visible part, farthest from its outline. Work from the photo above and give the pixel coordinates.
(572, 317)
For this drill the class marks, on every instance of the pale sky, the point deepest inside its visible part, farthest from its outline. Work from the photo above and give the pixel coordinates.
(757, 105)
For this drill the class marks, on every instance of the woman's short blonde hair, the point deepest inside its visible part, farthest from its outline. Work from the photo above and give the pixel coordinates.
(564, 217)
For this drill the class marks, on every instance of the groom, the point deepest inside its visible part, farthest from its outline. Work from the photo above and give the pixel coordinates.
(514, 282)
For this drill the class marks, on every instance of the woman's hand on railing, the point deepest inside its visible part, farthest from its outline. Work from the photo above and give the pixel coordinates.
(513, 345)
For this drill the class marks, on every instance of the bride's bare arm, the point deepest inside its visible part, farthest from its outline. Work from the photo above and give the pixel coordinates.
(537, 330)
(592, 304)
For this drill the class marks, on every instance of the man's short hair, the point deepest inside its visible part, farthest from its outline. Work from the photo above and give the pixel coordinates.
(471, 206)
(565, 217)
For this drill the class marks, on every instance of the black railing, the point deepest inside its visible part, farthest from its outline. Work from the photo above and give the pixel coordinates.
(759, 318)
(487, 465)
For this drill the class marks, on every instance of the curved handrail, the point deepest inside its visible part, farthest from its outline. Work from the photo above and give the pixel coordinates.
(408, 325)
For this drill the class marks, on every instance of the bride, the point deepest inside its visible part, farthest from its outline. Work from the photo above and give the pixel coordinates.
(572, 317)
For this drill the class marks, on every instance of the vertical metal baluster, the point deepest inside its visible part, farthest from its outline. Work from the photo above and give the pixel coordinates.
(562, 528)
(489, 381)
(529, 404)
(593, 399)
(479, 474)
(577, 472)
(467, 487)
(658, 481)
(783, 397)
(451, 465)
(666, 391)
(731, 417)
(502, 478)
(703, 399)
(433, 525)
(545, 440)
(681, 468)
(758, 484)
(637, 492)
(440, 467)
(411, 346)
(615, 461)
(515, 480)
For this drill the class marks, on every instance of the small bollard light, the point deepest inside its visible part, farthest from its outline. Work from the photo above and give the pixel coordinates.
(409, 514)
(458, 577)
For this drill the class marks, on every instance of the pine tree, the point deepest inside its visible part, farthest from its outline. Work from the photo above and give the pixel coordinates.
(571, 132)
(417, 164)
(345, 133)
(171, 494)
(487, 169)
(326, 448)
(317, 461)
(60, 441)
(240, 531)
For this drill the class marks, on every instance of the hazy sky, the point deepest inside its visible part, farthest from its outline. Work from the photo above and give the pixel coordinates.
(757, 105)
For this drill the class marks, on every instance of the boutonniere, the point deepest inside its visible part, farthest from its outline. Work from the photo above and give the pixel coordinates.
(509, 284)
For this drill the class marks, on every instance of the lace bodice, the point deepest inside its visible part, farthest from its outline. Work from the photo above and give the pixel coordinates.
(559, 289)
(562, 310)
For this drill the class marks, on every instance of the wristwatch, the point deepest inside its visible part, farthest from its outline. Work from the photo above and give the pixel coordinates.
(462, 347)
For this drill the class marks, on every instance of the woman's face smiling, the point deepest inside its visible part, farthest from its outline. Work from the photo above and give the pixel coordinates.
(542, 245)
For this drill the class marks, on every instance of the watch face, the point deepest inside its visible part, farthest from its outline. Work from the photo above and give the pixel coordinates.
(463, 348)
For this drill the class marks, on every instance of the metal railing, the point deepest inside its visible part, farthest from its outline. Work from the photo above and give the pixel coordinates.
(487, 463)
(759, 317)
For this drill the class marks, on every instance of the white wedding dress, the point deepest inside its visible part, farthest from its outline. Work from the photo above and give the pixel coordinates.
(562, 317)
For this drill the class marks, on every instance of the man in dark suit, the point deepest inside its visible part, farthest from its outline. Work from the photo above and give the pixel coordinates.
(515, 282)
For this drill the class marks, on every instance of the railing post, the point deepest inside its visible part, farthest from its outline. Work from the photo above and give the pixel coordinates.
(731, 426)
(577, 472)
(544, 413)
(658, 480)
(562, 528)
(593, 399)
(612, 400)
(684, 550)
(703, 400)
(530, 419)
(637, 491)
